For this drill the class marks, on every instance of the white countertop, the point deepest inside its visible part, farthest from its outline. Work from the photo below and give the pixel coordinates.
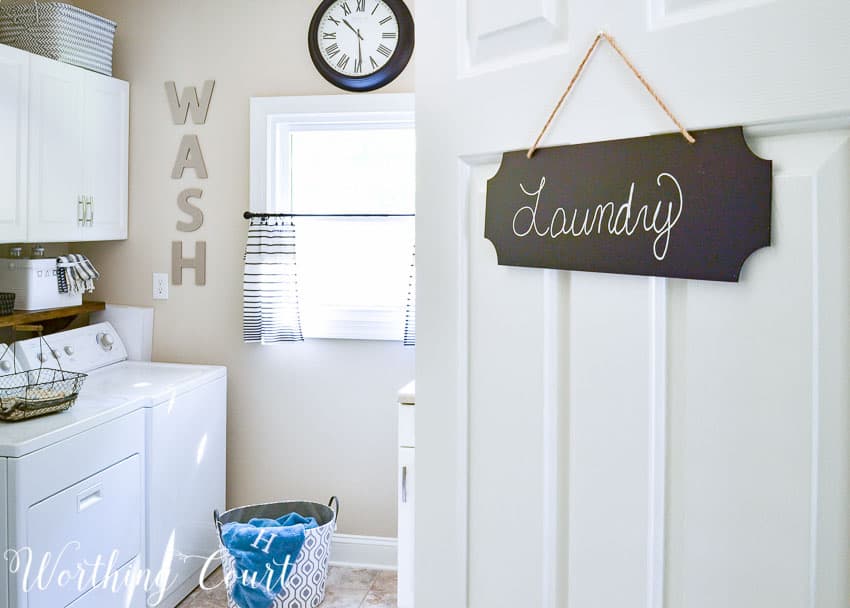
(407, 395)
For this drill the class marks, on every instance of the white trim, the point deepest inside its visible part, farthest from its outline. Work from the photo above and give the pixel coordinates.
(550, 435)
(465, 184)
(326, 110)
(656, 526)
(373, 552)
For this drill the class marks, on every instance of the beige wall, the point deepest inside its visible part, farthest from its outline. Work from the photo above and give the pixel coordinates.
(305, 420)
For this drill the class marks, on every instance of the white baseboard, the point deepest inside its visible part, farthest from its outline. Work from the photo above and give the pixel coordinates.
(375, 552)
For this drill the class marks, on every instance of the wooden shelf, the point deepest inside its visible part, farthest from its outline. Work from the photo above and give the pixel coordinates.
(30, 317)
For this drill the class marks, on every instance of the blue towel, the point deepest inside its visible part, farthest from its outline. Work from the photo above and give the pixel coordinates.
(260, 549)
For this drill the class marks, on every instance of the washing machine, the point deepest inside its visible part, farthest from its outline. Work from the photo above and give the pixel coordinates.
(72, 488)
(184, 408)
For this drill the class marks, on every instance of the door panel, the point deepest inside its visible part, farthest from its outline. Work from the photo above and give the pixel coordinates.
(518, 28)
(56, 152)
(106, 111)
(14, 81)
(597, 440)
(504, 467)
(745, 430)
(99, 517)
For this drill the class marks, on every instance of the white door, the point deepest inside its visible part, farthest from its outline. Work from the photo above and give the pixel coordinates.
(14, 79)
(106, 151)
(56, 183)
(4, 536)
(589, 440)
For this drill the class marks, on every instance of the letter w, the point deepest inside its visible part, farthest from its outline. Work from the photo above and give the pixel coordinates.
(189, 101)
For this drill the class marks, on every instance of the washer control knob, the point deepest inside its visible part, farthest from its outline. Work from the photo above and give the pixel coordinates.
(106, 341)
(5, 366)
(42, 357)
(57, 354)
(69, 350)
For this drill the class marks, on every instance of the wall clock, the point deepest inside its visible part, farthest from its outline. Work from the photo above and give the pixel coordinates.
(361, 45)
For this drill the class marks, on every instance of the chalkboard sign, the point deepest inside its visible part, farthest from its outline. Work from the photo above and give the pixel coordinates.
(656, 206)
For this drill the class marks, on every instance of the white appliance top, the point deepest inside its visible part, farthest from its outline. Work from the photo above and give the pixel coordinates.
(79, 350)
(114, 386)
(21, 438)
(98, 351)
(154, 382)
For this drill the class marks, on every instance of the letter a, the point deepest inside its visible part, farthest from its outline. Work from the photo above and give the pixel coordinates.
(189, 156)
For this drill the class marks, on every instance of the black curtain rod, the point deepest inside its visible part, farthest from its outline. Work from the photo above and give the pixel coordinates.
(248, 215)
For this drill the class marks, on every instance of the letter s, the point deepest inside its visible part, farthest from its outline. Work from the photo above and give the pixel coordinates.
(187, 207)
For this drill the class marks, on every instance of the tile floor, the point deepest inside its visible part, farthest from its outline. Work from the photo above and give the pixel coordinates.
(346, 588)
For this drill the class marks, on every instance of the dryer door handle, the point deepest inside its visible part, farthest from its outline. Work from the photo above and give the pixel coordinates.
(89, 497)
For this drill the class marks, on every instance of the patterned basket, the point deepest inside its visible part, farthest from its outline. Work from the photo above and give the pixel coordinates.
(59, 31)
(7, 303)
(305, 586)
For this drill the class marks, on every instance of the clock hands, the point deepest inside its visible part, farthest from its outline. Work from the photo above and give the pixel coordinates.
(359, 49)
(351, 27)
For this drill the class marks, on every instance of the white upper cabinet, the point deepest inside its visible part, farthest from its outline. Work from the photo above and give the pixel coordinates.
(106, 147)
(78, 151)
(56, 180)
(14, 79)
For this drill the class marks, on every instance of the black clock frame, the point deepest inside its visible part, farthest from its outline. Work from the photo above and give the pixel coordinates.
(382, 77)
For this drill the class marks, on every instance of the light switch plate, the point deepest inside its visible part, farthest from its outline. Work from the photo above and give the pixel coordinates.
(160, 286)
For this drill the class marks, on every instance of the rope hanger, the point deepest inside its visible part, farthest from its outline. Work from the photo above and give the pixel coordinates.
(575, 78)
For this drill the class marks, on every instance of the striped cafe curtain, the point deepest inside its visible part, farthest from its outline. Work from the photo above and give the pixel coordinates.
(270, 286)
(410, 309)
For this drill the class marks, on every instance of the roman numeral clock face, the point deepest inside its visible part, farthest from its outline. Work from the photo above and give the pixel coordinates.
(361, 45)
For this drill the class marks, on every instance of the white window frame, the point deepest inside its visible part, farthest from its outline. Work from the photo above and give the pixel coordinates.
(274, 118)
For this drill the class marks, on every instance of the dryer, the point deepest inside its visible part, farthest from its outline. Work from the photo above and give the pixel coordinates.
(71, 493)
(184, 408)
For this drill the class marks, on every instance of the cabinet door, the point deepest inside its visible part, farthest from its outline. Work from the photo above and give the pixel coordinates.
(106, 154)
(14, 79)
(405, 526)
(56, 151)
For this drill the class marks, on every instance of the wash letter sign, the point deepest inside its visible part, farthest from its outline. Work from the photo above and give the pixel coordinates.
(189, 157)
(655, 206)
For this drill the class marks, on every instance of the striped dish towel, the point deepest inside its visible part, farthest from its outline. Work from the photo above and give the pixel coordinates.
(75, 274)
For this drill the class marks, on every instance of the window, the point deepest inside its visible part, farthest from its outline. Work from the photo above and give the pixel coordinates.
(354, 155)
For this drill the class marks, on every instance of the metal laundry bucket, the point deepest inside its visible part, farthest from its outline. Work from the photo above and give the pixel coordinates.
(305, 586)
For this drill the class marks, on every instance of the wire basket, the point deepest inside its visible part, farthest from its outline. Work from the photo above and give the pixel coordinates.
(38, 392)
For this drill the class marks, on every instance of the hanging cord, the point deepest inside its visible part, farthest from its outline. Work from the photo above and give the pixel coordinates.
(576, 76)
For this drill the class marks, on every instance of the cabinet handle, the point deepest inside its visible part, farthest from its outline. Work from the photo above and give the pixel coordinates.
(81, 211)
(404, 484)
(90, 210)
